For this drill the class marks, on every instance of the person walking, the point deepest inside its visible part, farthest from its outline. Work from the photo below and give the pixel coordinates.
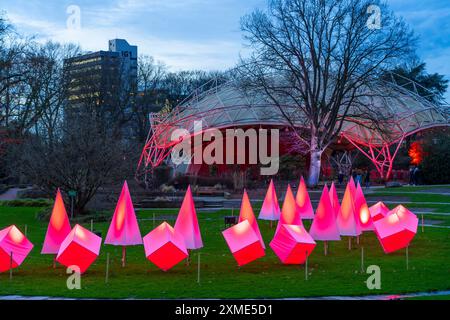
(411, 175)
(359, 177)
(367, 178)
(340, 177)
(416, 175)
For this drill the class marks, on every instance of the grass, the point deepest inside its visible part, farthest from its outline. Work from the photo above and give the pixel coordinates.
(339, 273)
(420, 188)
(413, 197)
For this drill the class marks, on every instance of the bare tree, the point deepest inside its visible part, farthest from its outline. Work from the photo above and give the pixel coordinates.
(83, 158)
(151, 95)
(319, 56)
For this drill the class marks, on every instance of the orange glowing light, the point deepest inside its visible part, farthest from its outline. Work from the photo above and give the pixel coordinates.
(80, 233)
(241, 228)
(58, 219)
(416, 153)
(121, 215)
(16, 236)
(297, 228)
(364, 214)
(393, 218)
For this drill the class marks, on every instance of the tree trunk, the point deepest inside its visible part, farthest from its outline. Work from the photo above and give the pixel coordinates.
(315, 163)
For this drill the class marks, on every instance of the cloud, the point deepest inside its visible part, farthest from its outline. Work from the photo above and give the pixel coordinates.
(176, 53)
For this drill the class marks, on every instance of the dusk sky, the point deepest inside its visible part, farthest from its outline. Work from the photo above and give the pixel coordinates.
(198, 34)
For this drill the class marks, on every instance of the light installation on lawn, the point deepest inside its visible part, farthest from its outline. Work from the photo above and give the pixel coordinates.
(124, 229)
(246, 213)
(292, 243)
(164, 247)
(187, 223)
(397, 229)
(270, 209)
(303, 201)
(290, 213)
(80, 248)
(58, 227)
(14, 248)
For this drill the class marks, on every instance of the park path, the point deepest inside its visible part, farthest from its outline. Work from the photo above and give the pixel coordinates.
(11, 194)
(372, 297)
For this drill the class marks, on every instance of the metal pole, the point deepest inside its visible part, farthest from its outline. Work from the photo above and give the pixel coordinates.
(26, 230)
(71, 208)
(11, 266)
(198, 269)
(349, 243)
(92, 225)
(407, 258)
(362, 259)
(124, 254)
(306, 267)
(107, 268)
(154, 220)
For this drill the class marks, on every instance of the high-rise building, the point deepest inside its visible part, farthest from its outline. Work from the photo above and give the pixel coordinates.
(101, 77)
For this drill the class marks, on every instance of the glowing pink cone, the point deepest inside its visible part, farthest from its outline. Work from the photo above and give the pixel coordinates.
(247, 214)
(397, 229)
(164, 247)
(80, 248)
(346, 219)
(334, 200)
(270, 209)
(324, 225)
(290, 213)
(292, 244)
(378, 211)
(244, 243)
(362, 211)
(13, 241)
(124, 228)
(303, 201)
(58, 227)
(352, 186)
(187, 223)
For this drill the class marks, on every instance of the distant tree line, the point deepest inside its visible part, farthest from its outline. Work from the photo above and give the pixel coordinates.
(46, 141)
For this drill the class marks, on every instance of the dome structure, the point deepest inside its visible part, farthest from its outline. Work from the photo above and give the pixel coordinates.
(400, 112)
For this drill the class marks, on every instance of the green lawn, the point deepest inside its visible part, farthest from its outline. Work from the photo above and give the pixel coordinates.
(335, 274)
(413, 197)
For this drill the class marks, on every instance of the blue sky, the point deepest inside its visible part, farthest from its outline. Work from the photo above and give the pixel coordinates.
(198, 34)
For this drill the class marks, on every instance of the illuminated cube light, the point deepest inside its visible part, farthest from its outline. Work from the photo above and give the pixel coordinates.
(378, 211)
(246, 213)
(80, 248)
(164, 247)
(13, 241)
(292, 244)
(397, 229)
(244, 243)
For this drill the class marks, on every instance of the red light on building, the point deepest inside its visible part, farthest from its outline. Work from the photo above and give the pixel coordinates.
(416, 153)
